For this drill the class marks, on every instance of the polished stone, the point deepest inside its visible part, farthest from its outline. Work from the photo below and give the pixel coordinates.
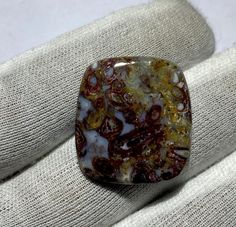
(133, 120)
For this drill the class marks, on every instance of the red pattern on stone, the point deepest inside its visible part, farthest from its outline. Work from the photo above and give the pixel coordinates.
(133, 121)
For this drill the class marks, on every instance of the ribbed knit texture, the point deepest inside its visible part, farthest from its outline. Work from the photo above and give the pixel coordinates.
(38, 94)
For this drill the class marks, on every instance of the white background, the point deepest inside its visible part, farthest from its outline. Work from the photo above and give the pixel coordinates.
(25, 24)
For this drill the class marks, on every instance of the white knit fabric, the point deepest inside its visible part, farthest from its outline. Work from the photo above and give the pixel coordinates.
(38, 98)
(39, 89)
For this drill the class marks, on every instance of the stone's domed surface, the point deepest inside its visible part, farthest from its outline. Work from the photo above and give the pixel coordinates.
(133, 120)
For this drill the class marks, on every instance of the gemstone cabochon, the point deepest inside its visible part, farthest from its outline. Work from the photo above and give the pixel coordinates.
(133, 121)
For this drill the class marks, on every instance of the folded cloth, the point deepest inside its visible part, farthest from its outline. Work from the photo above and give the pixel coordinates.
(39, 91)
